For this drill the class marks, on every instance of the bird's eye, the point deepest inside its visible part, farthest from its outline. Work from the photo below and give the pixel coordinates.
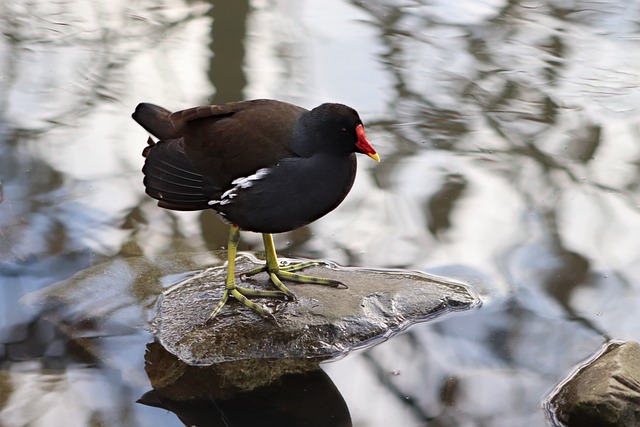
(344, 130)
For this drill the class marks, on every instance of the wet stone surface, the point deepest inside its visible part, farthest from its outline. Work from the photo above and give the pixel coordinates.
(604, 392)
(322, 322)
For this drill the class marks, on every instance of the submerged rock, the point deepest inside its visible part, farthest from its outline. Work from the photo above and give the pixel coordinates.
(321, 323)
(604, 393)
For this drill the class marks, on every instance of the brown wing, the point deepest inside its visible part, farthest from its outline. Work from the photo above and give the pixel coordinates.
(225, 142)
(170, 178)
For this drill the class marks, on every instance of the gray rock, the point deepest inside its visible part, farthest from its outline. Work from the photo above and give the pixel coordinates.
(604, 393)
(321, 323)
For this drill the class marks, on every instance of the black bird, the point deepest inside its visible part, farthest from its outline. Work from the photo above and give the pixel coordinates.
(263, 165)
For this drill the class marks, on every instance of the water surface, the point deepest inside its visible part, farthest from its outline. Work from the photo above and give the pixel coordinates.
(509, 138)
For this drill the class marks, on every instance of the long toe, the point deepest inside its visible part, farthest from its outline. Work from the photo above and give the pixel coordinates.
(244, 295)
(309, 280)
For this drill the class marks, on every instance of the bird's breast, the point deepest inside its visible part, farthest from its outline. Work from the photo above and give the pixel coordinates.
(288, 195)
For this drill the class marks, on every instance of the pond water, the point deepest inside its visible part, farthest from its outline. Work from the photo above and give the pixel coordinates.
(509, 138)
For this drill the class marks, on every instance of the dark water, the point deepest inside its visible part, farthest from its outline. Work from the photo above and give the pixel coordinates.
(509, 137)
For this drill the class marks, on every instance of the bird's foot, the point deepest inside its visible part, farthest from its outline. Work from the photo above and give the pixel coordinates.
(242, 294)
(285, 271)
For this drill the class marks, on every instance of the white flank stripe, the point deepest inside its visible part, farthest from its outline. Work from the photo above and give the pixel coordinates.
(227, 193)
(247, 182)
(239, 183)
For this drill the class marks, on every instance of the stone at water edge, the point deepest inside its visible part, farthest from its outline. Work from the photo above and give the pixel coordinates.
(603, 393)
(322, 322)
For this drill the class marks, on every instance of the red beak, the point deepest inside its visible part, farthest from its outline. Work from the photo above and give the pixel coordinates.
(363, 145)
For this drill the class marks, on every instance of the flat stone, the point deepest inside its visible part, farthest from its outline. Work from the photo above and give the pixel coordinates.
(321, 323)
(604, 393)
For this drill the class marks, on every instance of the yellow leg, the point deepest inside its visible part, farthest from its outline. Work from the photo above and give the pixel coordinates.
(238, 292)
(277, 273)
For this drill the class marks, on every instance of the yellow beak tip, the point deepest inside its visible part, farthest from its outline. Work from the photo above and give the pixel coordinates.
(375, 157)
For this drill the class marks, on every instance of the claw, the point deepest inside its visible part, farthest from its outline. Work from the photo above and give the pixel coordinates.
(277, 271)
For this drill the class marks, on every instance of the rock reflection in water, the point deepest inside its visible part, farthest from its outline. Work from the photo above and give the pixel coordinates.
(228, 394)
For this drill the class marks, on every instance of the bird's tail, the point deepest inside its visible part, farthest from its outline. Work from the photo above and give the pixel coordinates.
(155, 120)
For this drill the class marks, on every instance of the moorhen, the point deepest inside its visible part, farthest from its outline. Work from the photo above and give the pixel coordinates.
(263, 165)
